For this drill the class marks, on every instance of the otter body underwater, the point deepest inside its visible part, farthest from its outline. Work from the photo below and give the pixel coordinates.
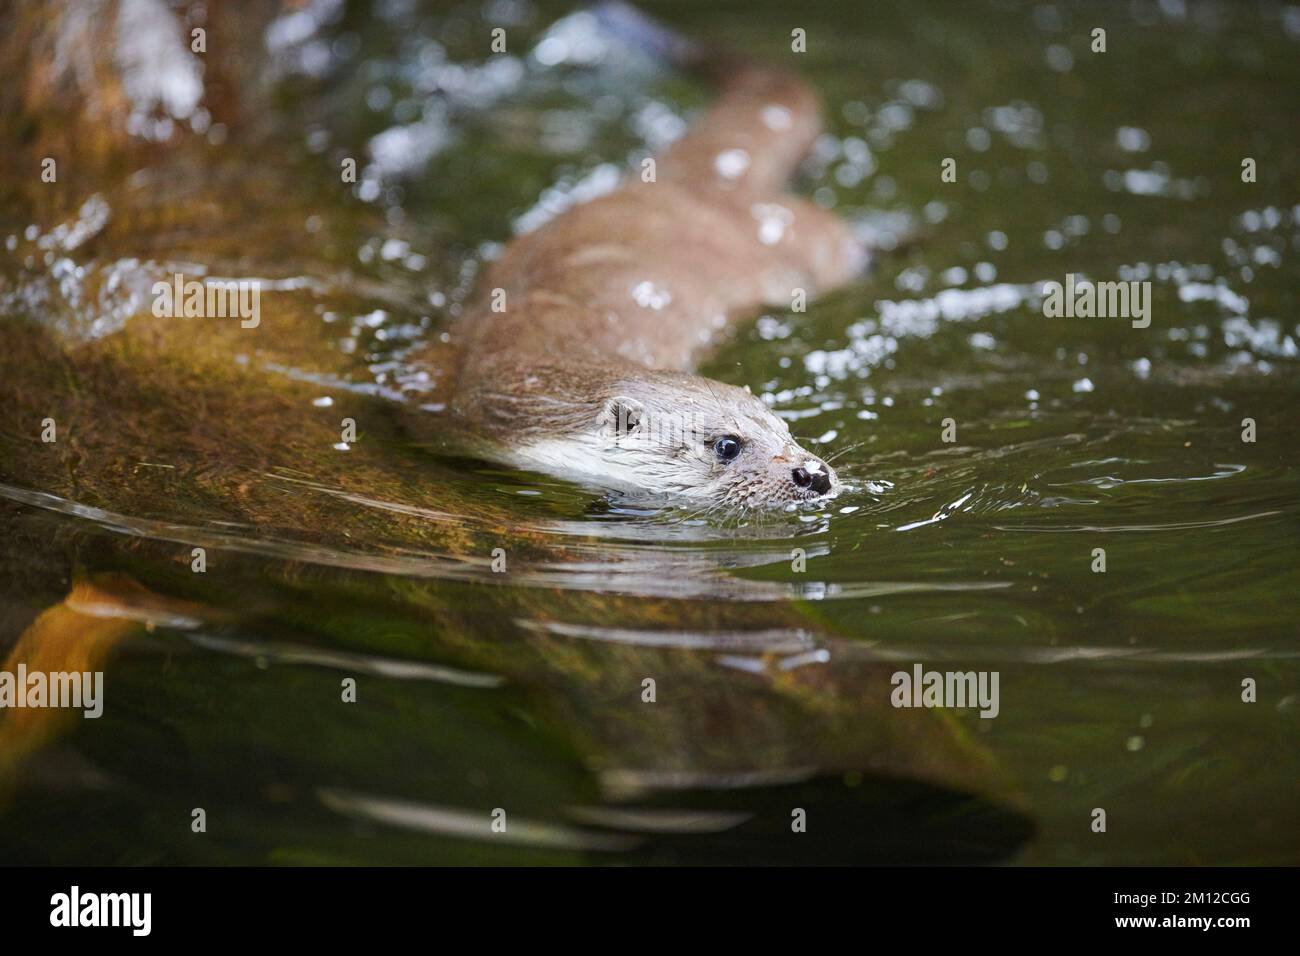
(576, 358)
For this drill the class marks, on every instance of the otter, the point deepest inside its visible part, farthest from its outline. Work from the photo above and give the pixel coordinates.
(576, 359)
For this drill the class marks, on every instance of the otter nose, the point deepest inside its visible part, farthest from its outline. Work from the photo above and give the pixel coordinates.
(817, 480)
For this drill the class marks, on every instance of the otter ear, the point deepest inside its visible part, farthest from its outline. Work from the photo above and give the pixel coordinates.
(621, 417)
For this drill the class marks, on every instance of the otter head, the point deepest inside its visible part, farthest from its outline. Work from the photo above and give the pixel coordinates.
(691, 438)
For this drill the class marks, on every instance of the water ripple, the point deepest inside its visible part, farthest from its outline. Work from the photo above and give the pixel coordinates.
(282, 653)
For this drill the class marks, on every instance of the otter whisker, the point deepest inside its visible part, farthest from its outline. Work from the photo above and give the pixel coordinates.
(842, 452)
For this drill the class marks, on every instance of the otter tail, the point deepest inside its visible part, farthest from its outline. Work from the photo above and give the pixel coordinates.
(756, 133)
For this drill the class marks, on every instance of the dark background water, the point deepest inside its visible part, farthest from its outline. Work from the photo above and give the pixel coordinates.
(521, 690)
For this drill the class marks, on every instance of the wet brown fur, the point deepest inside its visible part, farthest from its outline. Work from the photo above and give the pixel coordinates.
(572, 330)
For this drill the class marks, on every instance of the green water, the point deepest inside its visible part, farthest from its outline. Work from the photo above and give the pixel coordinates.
(521, 688)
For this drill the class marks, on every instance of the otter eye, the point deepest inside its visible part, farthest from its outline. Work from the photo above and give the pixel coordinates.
(727, 447)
